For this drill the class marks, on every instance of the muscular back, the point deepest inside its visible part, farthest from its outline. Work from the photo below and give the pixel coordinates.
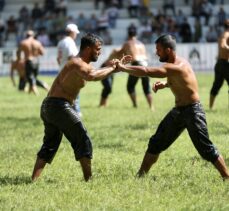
(223, 46)
(136, 49)
(31, 48)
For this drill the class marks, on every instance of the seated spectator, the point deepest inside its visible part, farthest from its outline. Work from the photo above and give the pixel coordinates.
(185, 32)
(61, 6)
(196, 8)
(24, 17)
(92, 24)
(145, 32)
(11, 27)
(144, 12)
(221, 16)
(36, 12)
(113, 14)
(180, 17)
(197, 35)
(206, 10)
(49, 6)
(133, 8)
(173, 29)
(102, 24)
(43, 37)
(81, 22)
(212, 34)
(169, 4)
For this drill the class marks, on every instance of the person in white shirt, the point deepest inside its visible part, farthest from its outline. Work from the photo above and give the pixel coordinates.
(67, 49)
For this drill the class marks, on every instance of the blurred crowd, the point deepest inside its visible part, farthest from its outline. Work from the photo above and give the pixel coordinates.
(49, 18)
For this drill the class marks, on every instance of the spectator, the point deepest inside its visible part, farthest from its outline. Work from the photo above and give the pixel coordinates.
(81, 22)
(113, 14)
(96, 4)
(206, 10)
(43, 37)
(102, 23)
(92, 23)
(49, 6)
(222, 16)
(185, 32)
(196, 8)
(180, 17)
(61, 7)
(133, 8)
(36, 12)
(145, 32)
(212, 35)
(197, 30)
(169, 4)
(11, 27)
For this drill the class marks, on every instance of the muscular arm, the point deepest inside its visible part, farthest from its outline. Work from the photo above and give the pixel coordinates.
(99, 74)
(223, 42)
(41, 49)
(141, 71)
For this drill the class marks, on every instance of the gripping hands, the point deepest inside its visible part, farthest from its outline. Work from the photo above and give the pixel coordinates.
(119, 63)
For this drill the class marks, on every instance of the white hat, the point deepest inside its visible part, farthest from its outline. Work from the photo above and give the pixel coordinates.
(73, 28)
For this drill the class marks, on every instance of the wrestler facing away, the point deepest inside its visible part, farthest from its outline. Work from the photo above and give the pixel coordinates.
(222, 64)
(187, 113)
(32, 49)
(137, 50)
(57, 110)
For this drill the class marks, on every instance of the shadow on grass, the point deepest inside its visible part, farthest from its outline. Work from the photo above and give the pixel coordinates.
(20, 119)
(110, 146)
(17, 180)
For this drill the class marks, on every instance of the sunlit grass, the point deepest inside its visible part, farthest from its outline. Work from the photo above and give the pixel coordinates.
(180, 180)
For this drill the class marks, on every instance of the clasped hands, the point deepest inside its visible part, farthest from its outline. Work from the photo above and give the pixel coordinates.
(119, 63)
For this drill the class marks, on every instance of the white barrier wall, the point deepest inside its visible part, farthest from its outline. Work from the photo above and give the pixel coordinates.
(202, 56)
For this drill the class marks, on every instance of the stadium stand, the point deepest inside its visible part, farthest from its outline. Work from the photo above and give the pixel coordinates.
(118, 34)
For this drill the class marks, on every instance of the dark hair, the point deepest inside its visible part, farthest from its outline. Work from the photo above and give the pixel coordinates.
(226, 24)
(167, 41)
(132, 32)
(89, 40)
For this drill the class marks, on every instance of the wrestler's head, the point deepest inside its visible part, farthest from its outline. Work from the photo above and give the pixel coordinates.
(226, 24)
(30, 33)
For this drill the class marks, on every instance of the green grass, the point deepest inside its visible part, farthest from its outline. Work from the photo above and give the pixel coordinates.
(180, 180)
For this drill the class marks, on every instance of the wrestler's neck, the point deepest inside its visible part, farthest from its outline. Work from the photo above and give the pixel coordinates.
(83, 56)
(132, 38)
(173, 58)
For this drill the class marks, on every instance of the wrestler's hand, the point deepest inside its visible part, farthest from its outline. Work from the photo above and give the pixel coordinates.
(126, 59)
(159, 85)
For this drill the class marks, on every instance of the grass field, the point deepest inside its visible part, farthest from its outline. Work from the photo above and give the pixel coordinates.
(180, 180)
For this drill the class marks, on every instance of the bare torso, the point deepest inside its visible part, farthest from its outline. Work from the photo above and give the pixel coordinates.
(223, 46)
(70, 80)
(136, 49)
(182, 82)
(31, 48)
